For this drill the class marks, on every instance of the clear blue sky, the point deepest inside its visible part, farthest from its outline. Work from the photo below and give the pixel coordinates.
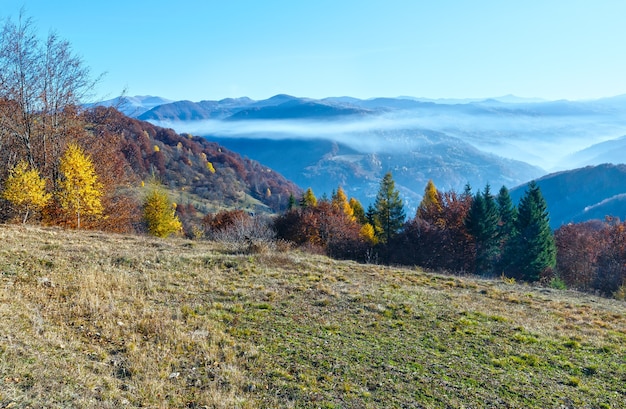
(209, 49)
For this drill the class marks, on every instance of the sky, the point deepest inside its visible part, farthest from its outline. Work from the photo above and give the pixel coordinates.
(210, 49)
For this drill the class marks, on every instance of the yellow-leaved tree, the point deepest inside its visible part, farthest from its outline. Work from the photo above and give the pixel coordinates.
(25, 189)
(368, 234)
(159, 213)
(79, 189)
(309, 199)
(340, 201)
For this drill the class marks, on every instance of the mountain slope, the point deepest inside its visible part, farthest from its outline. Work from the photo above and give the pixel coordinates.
(352, 142)
(413, 156)
(296, 109)
(612, 151)
(592, 192)
(181, 162)
(133, 106)
(95, 320)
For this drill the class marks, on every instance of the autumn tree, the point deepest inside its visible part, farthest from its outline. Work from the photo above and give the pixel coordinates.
(358, 211)
(308, 199)
(340, 201)
(26, 189)
(430, 207)
(533, 247)
(611, 262)
(579, 247)
(80, 190)
(40, 83)
(159, 213)
(437, 237)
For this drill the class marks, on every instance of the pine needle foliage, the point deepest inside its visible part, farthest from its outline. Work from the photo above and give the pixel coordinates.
(482, 223)
(533, 242)
(389, 210)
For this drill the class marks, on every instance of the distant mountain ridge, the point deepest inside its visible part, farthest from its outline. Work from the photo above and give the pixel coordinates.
(352, 142)
(588, 193)
(133, 106)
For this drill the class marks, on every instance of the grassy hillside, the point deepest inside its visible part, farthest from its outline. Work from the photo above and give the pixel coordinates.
(94, 320)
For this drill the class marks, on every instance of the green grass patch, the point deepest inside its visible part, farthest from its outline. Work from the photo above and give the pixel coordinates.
(137, 322)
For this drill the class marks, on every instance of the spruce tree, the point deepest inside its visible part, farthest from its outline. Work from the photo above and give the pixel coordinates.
(389, 210)
(482, 223)
(507, 214)
(291, 204)
(533, 244)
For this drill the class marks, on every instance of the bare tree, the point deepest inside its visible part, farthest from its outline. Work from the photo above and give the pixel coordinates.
(41, 86)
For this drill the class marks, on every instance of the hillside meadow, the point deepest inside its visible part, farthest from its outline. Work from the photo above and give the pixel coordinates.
(89, 319)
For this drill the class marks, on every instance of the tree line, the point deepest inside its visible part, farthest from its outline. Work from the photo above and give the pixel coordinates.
(463, 233)
(74, 168)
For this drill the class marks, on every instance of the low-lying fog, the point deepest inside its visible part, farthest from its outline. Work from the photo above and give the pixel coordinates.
(540, 140)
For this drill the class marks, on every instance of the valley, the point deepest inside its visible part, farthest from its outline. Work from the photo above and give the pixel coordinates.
(351, 143)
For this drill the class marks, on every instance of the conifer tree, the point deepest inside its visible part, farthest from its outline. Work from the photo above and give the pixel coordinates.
(507, 214)
(159, 213)
(389, 210)
(368, 233)
(291, 204)
(430, 207)
(80, 191)
(358, 211)
(340, 201)
(372, 220)
(309, 199)
(25, 189)
(482, 223)
(533, 245)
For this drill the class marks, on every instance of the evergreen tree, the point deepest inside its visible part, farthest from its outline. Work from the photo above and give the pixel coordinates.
(389, 210)
(507, 213)
(372, 220)
(291, 205)
(482, 223)
(533, 245)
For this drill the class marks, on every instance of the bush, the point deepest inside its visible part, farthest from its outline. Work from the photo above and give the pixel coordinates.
(247, 233)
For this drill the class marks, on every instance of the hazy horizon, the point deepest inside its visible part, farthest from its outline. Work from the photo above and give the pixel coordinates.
(560, 49)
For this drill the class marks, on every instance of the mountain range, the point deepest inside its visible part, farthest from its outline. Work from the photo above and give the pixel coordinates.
(351, 142)
(592, 192)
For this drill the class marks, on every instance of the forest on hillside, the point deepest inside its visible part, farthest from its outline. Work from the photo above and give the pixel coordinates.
(42, 121)
(98, 169)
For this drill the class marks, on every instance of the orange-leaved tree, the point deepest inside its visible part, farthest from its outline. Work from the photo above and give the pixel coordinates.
(79, 188)
(25, 189)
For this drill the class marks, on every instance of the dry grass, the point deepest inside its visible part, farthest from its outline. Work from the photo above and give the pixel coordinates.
(95, 320)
